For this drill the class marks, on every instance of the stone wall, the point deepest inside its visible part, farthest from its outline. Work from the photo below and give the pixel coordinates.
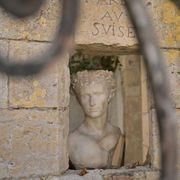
(34, 111)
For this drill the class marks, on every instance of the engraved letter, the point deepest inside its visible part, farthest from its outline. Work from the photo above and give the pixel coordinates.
(118, 16)
(121, 34)
(107, 15)
(96, 28)
(108, 29)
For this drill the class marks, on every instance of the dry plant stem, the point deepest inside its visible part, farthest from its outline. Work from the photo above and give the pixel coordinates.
(159, 83)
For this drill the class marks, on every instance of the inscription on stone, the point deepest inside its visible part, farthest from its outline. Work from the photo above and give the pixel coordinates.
(109, 20)
(106, 22)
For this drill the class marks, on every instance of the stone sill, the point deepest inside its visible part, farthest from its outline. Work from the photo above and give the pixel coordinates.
(138, 173)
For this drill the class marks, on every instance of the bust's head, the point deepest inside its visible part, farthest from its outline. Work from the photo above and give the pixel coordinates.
(94, 89)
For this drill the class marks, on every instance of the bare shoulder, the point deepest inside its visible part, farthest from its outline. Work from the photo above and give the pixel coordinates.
(74, 137)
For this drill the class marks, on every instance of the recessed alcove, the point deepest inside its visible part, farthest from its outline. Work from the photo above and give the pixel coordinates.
(129, 108)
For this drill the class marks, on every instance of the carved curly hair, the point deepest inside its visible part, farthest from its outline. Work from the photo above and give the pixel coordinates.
(83, 78)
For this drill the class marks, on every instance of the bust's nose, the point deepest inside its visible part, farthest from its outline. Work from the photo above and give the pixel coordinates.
(92, 100)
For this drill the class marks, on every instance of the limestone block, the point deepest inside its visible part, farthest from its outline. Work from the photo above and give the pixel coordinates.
(173, 66)
(132, 78)
(139, 176)
(3, 78)
(145, 111)
(166, 22)
(41, 26)
(178, 118)
(74, 175)
(105, 23)
(152, 175)
(89, 176)
(3, 170)
(178, 142)
(110, 174)
(118, 177)
(63, 82)
(129, 62)
(155, 142)
(35, 178)
(64, 132)
(173, 69)
(33, 142)
(131, 74)
(4, 150)
(49, 89)
(133, 130)
(177, 99)
(102, 23)
(133, 110)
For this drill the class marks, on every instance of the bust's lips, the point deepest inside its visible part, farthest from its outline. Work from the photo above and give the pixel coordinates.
(93, 110)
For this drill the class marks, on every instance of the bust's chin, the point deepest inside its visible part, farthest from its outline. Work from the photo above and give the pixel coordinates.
(94, 114)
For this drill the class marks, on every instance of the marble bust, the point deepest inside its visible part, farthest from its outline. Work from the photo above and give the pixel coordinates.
(92, 144)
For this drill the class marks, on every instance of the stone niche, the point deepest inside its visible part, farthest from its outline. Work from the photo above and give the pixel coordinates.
(105, 32)
(129, 108)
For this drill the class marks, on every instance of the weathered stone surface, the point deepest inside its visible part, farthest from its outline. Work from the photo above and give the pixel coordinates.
(41, 26)
(152, 175)
(173, 70)
(102, 23)
(110, 174)
(4, 150)
(155, 143)
(33, 142)
(118, 177)
(131, 73)
(77, 177)
(166, 20)
(177, 99)
(145, 111)
(173, 66)
(139, 175)
(63, 82)
(49, 89)
(136, 175)
(106, 22)
(178, 142)
(3, 78)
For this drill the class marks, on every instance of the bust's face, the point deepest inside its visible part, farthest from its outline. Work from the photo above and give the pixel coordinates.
(94, 99)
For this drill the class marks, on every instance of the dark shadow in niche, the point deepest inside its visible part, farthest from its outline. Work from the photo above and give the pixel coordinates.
(71, 166)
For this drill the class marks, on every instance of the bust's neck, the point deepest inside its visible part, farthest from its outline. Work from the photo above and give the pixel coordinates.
(96, 124)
